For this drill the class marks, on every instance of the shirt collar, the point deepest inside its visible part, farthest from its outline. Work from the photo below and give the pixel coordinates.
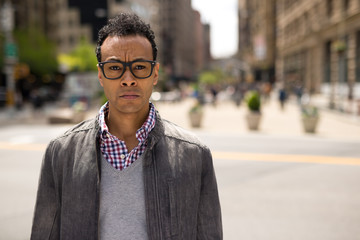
(141, 134)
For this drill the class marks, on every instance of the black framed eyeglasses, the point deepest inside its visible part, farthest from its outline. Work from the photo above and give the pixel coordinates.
(114, 69)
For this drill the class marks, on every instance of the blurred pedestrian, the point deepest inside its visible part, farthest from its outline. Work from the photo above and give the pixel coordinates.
(18, 100)
(265, 91)
(282, 98)
(214, 94)
(36, 100)
(127, 174)
(299, 92)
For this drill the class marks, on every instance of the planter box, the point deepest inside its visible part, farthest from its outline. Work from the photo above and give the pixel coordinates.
(66, 116)
(253, 120)
(196, 119)
(310, 124)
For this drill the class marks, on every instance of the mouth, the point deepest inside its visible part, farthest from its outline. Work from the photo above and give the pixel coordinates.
(129, 96)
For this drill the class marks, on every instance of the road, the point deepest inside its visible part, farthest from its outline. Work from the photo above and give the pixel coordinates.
(287, 187)
(21, 150)
(271, 186)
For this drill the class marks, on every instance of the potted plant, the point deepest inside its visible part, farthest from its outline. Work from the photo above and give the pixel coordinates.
(310, 118)
(253, 117)
(196, 115)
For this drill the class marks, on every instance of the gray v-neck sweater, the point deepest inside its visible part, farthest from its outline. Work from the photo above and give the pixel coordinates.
(122, 202)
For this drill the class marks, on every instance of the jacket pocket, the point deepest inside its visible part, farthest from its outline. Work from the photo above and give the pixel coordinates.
(172, 226)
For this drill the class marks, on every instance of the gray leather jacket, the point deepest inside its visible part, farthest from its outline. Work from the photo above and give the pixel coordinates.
(181, 195)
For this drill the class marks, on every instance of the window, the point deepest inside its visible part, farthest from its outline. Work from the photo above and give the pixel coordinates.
(346, 5)
(358, 56)
(327, 62)
(329, 8)
(71, 40)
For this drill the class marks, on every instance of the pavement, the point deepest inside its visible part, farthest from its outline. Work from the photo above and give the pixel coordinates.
(226, 117)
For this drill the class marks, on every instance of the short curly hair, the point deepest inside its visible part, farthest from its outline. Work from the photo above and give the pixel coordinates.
(125, 24)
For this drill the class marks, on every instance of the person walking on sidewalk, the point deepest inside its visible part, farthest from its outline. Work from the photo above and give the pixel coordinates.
(282, 98)
(127, 173)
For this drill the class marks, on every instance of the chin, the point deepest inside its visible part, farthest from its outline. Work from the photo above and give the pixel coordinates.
(131, 109)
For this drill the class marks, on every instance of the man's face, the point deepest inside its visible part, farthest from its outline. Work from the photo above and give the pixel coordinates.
(128, 94)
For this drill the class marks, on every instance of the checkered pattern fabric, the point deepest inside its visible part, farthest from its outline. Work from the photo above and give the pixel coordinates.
(114, 150)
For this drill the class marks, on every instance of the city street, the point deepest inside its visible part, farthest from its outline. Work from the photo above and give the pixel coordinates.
(286, 62)
(277, 183)
(287, 188)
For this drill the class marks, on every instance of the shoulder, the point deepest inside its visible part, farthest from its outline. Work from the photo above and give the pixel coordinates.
(73, 146)
(177, 133)
(78, 131)
(83, 127)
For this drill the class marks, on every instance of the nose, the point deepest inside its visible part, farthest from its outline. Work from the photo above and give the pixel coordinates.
(128, 80)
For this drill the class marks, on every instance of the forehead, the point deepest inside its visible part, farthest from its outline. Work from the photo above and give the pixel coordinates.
(133, 46)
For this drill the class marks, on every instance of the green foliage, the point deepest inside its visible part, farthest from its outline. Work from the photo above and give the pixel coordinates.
(211, 77)
(197, 107)
(309, 111)
(36, 50)
(253, 101)
(82, 58)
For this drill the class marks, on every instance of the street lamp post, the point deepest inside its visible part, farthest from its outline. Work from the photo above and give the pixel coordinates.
(7, 23)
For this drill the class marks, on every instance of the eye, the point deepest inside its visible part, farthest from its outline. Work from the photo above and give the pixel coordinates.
(139, 67)
(115, 67)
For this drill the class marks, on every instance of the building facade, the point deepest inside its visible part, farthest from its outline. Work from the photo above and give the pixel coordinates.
(177, 34)
(55, 18)
(202, 43)
(92, 14)
(148, 10)
(256, 45)
(318, 47)
(183, 40)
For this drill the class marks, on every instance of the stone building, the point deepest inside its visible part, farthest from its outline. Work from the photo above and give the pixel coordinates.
(146, 9)
(59, 22)
(177, 34)
(202, 43)
(183, 41)
(256, 45)
(318, 47)
(68, 29)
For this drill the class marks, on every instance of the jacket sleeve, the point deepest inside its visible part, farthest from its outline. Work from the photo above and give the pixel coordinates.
(209, 214)
(45, 220)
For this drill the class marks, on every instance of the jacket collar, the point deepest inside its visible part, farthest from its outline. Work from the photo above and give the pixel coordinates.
(154, 135)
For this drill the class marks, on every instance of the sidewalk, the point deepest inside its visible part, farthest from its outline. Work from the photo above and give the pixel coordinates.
(26, 115)
(227, 118)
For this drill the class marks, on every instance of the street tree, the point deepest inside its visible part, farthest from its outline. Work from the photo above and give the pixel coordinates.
(37, 51)
(81, 59)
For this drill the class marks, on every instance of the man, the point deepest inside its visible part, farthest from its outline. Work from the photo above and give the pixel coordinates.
(127, 174)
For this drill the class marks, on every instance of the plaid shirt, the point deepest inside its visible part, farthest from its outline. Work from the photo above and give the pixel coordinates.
(114, 150)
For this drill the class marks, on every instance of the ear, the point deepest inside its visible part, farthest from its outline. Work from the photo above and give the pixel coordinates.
(100, 76)
(156, 73)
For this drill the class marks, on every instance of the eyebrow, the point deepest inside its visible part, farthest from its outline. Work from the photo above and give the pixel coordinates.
(117, 59)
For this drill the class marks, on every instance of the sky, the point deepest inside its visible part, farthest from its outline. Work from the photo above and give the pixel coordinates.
(222, 17)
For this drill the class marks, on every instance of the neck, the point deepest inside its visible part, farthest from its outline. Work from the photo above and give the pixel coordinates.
(125, 125)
